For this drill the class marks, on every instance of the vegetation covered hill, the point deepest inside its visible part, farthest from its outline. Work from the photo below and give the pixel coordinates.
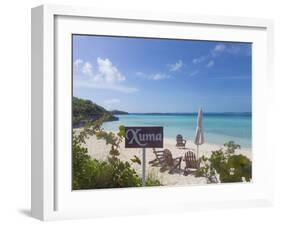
(84, 111)
(117, 112)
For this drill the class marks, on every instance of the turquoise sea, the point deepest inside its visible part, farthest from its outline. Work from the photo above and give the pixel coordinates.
(219, 128)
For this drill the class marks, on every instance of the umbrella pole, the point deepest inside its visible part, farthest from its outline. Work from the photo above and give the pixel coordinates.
(197, 151)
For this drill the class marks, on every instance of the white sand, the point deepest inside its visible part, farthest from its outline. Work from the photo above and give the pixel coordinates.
(99, 150)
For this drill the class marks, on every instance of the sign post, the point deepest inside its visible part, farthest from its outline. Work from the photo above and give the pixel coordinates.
(143, 167)
(143, 137)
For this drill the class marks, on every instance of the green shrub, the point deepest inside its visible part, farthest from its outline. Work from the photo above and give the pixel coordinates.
(80, 159)
(109, 174)
(152, 180)
(239, 167)
(225, 166)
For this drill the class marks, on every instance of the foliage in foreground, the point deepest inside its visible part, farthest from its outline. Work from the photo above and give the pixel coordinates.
(152, 180)
(226, 166)
(91, 173)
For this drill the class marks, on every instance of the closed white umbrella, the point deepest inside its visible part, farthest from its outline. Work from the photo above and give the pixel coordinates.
(199, 135)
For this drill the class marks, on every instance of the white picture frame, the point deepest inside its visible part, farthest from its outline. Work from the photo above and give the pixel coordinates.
(52, 197)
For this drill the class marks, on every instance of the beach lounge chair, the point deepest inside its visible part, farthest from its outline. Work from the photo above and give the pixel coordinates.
(169, 162)
(191, 163)
(180, 141)
(159, 157)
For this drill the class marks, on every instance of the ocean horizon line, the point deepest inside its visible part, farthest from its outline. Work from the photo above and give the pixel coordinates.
(188, 113)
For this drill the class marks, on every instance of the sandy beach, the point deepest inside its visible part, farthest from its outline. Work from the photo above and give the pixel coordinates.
(97, 149)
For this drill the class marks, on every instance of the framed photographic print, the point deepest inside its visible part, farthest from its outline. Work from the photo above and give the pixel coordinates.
(138, 112)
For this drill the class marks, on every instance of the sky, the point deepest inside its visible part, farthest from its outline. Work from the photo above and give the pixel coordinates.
(144, 75)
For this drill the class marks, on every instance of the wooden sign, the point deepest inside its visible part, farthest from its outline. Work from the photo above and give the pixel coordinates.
(144, 137)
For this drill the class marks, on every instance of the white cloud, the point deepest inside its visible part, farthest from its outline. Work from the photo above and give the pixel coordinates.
(193, 73)
(107, 72)
(87, 69)
(238, 49)
(77, 63)
(210, 63)
(176, 66)
(139, 73)
(217, 50)
(232, 49)
(155, 77)
(159, 76)
(219, 47)
(198, 60)
(106, 76)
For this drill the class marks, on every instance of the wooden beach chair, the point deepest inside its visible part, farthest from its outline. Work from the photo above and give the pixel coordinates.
(180, 141)
(170, 163)
(159, 157)
(191, 163)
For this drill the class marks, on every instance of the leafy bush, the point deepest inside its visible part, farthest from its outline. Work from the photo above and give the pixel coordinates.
(152, 180)
(92, 173)
(80, 159)
(109, 174)
(226, 166)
